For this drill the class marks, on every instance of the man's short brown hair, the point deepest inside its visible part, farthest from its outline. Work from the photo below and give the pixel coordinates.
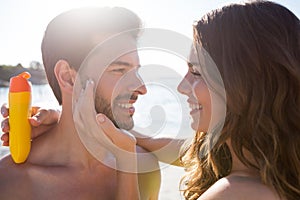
(71, 36)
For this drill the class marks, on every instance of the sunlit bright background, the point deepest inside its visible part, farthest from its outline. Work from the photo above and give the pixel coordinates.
(23, 22)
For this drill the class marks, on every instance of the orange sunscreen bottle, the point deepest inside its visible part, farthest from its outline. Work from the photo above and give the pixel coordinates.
(19, 112)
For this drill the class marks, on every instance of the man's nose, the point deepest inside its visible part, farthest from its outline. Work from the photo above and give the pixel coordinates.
(137, 84)
(142, 89)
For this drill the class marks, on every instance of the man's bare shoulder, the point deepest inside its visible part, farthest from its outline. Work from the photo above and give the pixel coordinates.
(236, 187)
(12, 177)
(6, 161)
(8, 169)
(36, 181)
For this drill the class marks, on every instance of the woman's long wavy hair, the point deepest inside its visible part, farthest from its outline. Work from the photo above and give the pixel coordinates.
(256, 47)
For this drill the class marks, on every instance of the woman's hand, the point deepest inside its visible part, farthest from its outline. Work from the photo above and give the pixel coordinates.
(93, 126)
(97, 133)
(41, 121)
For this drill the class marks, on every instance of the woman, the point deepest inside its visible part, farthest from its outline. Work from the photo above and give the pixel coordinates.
(256, 48)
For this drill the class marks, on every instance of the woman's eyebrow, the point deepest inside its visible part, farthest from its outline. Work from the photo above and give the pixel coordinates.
(190, 65)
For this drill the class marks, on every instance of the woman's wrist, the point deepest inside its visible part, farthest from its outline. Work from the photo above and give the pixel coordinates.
(127, 162)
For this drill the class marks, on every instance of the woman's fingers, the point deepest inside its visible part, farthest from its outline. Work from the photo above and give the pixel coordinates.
(4, 110)
(5, 130)
(41, 121)
(45, 117)
(5, 125)
(35, 110)
(121, 139)
(84, 111)
(87, 97)
(5, 139)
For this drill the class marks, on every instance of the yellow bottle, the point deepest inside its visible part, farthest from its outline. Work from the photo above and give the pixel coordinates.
(19, 112)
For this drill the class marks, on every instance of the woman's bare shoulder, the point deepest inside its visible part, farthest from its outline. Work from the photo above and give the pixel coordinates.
(239, 187)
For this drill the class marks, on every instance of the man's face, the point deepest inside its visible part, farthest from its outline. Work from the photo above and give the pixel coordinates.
(118, 88)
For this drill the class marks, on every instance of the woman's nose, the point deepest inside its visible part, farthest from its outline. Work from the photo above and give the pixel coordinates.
(184, 86)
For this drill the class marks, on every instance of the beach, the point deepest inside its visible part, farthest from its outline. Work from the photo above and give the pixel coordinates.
(170, 183)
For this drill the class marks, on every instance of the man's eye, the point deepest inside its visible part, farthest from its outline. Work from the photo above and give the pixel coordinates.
(120, 70)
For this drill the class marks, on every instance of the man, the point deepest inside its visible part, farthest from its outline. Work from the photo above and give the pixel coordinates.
(61, 165)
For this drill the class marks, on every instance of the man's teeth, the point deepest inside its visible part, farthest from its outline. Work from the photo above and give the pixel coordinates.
(195, 106)
(125, 105)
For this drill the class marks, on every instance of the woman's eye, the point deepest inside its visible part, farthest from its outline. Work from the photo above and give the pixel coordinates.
(193, 70)
(195, 73)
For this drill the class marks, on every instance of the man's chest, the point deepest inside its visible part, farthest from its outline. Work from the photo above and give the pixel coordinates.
(63, 184)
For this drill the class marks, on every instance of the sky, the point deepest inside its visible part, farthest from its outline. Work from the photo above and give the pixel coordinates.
(22, 23)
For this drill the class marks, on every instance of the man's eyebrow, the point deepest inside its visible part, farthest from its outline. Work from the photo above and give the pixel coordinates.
(126, 64)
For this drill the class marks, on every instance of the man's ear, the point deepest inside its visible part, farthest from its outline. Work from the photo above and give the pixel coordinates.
(65, 76)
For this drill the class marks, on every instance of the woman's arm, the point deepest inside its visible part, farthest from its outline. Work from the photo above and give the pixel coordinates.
(165, 149)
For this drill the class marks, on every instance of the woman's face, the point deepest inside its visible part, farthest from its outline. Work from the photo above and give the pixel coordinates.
(199, 100)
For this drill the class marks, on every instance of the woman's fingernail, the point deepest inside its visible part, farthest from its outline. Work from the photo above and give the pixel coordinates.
(36, 119)
(90, 81)
(101, 118)
(2, 111)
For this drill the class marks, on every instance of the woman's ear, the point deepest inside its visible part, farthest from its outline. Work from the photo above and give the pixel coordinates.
(65, 76)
